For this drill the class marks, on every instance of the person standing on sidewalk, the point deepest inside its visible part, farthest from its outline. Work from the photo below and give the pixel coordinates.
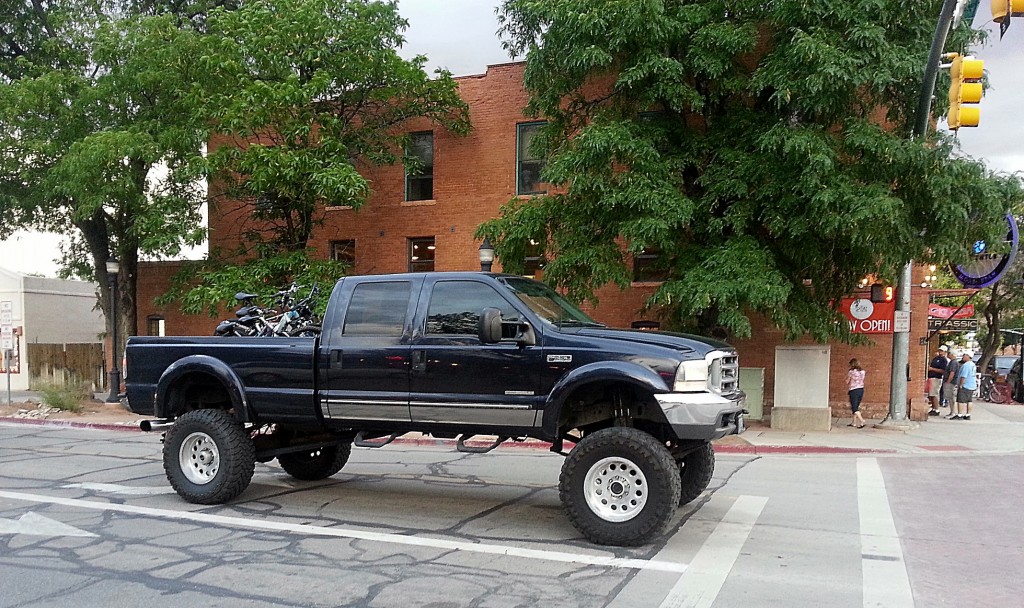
(949, 381)
(967, 383)
(855, 388)
(935, 370)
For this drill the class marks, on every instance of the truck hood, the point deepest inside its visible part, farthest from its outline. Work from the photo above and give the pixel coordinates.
(698, 344)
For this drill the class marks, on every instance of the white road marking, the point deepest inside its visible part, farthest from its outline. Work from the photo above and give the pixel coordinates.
(113, 488)
(277, 526)
(37, 525)
(886, 582)
(703, 579)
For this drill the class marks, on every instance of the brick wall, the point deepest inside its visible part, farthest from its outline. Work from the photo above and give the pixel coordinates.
(473, 177)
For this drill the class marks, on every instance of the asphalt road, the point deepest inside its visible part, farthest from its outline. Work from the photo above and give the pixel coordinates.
(88, 519)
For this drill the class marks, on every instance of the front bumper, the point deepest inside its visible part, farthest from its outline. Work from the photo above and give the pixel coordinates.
(703, 416)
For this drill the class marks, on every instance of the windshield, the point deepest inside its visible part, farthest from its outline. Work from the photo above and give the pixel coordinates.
(547, 303)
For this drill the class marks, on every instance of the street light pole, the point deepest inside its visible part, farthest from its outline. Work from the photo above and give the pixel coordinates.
(113, 268)
(901, 340)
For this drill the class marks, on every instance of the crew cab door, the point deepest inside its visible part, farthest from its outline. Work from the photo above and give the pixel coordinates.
(366, 372)
(457, 379)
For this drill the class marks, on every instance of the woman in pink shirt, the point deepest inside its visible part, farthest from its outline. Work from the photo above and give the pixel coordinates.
(855, 387)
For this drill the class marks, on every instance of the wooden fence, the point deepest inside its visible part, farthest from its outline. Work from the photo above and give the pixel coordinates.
(64, 364)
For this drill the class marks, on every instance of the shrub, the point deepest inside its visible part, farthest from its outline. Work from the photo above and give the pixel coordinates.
(65, 397)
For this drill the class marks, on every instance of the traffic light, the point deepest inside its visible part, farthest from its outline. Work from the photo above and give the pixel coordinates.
(881, 293)
(1001, 9)
(965, 88)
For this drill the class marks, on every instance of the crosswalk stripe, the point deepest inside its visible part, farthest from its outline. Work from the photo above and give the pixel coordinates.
(886, 583)
(700, 584)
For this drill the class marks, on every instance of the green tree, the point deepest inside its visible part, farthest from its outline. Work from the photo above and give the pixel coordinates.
(100, 141)
(762, 147)
(302, 91)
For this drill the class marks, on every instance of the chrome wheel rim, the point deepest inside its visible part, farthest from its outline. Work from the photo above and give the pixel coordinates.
(615, 489)
(199, 458)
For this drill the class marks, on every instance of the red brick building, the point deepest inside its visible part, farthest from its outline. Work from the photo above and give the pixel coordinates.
(426, 222)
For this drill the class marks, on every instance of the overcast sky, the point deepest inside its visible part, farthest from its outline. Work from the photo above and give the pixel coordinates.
(461, 35)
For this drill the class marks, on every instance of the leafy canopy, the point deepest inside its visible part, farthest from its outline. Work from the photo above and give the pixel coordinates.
(761, 147)
(100, 140)
(301, 92)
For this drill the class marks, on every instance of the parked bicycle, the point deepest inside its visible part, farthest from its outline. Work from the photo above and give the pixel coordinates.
(294, 318)
(992, 391)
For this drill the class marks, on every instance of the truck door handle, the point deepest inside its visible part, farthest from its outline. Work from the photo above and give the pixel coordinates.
(419, 361)
(336, 358)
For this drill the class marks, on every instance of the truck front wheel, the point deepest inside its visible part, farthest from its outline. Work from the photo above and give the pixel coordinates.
(316, 464)
(619, 486)
(208, 457)
(695, 471)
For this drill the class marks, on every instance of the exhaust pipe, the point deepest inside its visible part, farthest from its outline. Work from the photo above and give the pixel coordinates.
(155, 425)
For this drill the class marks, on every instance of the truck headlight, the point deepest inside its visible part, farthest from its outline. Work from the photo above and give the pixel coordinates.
(691, 377)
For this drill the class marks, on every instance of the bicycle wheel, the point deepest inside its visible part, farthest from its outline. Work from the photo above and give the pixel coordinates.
(1000, 393)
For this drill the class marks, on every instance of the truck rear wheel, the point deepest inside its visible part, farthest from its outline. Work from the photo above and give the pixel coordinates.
(695, 471)
(619, 486)
(208, 457)
(316, 464)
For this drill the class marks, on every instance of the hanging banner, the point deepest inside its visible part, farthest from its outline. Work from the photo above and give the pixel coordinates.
(989, 261)
(867, 317)
(938, 311)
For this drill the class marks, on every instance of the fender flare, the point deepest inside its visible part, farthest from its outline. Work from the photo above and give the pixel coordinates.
(626, 372)
(207, 365)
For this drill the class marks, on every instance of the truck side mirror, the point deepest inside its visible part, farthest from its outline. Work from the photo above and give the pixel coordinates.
(492, 329)
(489, 328)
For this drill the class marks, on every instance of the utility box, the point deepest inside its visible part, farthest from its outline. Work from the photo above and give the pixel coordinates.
(752, 383)
(801, 389)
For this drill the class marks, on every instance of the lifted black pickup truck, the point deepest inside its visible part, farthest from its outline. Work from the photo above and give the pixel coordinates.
(452, 355)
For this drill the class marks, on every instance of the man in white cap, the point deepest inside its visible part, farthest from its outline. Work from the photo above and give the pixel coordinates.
(935, 370)
(949, 380)
(967, 383)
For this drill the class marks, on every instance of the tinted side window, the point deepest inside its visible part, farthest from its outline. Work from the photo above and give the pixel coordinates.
(377, 309)
(455, 307)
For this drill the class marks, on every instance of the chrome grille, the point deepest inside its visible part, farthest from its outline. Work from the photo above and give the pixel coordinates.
(725, 372)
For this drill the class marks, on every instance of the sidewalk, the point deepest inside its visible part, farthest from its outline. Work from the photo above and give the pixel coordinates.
(993, 429)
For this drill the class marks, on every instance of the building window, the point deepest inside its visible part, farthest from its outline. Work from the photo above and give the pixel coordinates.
(344, 251)
(528, 164)
(155, 325)
(649, 266)
(421, 254)
(534, 261)
(419, 180)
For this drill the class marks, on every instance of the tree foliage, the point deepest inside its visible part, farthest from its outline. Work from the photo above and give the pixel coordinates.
(83, 131)
(305, 90)
(761, 147)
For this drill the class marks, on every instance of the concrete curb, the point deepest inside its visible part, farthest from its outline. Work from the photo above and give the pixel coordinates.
(530, 444)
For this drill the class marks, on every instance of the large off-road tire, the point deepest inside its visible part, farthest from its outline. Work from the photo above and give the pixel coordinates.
(208, 457)
(695, 471)
(619, 486)
(319, 463)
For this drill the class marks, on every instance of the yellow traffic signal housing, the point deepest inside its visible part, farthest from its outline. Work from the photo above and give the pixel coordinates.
(1001, 9)
(965, 87)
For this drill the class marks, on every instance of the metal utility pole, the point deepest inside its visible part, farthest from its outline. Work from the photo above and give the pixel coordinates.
(901, 340)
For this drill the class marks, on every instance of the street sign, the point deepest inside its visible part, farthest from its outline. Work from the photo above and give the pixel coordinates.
(901, 321)
(953, 324)
(6, 325)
